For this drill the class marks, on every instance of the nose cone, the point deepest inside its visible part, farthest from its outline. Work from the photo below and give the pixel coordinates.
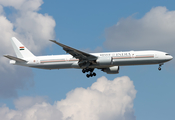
(168, 56)
(171, 57)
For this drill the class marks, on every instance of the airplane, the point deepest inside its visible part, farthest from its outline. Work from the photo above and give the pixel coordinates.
(108, 62)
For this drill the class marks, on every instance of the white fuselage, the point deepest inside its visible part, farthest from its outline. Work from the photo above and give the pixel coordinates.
(107, 59)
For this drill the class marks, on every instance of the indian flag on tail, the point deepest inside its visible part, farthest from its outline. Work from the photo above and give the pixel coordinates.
(21, 48)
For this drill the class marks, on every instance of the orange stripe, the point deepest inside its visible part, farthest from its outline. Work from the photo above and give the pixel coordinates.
(53, 61)
(132, 57)
(58, 61)
(74, 60)
(143, 56)
(21, 47)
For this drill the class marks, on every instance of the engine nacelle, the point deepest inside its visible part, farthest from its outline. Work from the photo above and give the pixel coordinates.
(111, 70)
(104, 61)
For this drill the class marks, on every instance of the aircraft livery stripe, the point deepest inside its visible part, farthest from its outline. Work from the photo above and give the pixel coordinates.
(74, 60)
(58, 61)
(133, 57)
(144, 56)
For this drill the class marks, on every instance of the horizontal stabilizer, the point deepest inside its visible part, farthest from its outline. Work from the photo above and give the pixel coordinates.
(14, 58)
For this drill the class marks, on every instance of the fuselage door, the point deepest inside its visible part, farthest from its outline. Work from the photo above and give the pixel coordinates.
(155, 55)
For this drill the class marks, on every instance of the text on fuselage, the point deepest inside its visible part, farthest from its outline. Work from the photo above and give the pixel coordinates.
(116, 54)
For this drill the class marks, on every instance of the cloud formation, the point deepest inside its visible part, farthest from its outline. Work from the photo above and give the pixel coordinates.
(32, 29)
(155, 30)
(104, 100)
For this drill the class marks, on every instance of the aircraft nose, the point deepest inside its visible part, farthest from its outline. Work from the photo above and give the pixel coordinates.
(171, 57)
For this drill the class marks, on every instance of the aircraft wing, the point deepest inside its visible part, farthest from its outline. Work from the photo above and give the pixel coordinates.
(14, 58)
(76, 53)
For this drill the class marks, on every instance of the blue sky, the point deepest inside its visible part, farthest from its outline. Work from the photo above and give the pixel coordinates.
(85, 25)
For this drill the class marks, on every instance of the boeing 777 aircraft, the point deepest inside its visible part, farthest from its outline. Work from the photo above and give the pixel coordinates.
(108, 62)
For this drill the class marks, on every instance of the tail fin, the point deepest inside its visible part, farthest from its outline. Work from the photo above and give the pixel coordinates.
(20, 50)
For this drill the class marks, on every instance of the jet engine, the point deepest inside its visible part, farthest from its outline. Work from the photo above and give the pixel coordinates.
(111, 70)
(104, 61)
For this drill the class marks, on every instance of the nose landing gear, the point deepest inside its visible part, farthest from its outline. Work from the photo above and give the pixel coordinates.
(160, 66)
(91, 74)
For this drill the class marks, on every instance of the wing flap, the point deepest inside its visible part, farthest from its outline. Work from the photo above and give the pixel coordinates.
(14, 58)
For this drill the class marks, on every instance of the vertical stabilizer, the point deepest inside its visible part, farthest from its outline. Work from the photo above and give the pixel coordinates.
(20, 50)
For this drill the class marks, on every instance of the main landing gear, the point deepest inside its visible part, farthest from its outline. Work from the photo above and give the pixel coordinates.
(160, 66)
(91, 74)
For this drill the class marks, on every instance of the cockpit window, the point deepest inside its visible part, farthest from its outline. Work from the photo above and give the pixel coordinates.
(167, 54)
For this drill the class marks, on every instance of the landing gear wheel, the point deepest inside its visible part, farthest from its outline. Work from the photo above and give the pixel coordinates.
(160, 66)
(91, 74)
(83, 71)
(87, 75)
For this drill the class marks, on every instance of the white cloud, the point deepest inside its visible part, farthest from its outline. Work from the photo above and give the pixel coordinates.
(23, 5)
(36, 28)
(43, 111)
(155, 30)
(33, 29)
(104, 100)
(26, 102)
(14, 3)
